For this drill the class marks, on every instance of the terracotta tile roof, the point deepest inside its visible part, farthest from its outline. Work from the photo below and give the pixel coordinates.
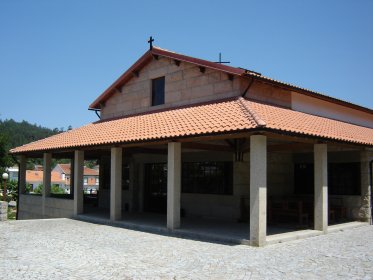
(33, 176)
(232, 115)
(286, 120)
(147, 57)
(90, 172)
(66, 167)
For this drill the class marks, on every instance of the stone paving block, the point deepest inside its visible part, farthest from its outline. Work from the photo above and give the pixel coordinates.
(69, 249)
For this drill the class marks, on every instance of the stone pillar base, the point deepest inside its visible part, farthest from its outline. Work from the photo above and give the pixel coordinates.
(3, 211)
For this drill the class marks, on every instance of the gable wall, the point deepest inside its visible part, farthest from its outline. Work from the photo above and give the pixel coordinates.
(184, 84)
(266, 93)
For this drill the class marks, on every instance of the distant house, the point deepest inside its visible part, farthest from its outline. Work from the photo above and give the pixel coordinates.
(35, 178)
(38, 167)
(13, 173)
(90, 178)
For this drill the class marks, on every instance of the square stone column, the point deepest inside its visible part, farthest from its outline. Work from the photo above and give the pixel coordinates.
(363, 211)
(141, 187)
(116, 184)
(321, 187)
(132, 184)
(22, 174)
(258, 190)
(78, 182)
(173, 185)
(47, 169)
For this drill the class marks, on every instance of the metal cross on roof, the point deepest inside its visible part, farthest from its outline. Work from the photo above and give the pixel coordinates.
(150, 41)
(221, 62)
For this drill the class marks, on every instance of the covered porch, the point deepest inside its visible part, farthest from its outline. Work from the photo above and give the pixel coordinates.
(235, 161)
(266, 200)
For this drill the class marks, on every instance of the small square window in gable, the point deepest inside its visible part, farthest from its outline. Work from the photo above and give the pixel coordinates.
(158, 86)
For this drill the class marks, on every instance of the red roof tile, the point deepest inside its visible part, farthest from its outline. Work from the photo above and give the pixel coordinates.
(33, 176)
(220, 117)
(301, 123)
(66, 167)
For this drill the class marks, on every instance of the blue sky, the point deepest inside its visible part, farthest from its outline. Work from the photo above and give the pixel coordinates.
(57, 56)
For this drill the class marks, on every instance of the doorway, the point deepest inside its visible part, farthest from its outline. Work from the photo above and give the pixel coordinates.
(155, 195)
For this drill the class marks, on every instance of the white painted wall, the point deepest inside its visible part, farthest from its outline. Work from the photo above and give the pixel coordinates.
(326, 109)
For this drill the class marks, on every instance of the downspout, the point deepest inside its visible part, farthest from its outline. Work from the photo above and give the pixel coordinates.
(18, 185)
(371, 191)
(96, 111)
(97, 114)
(248, 87)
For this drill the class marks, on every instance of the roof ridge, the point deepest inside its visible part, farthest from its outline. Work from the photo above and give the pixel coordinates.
(251, 112)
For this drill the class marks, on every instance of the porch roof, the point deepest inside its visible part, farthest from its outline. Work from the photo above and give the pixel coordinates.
(225, 116)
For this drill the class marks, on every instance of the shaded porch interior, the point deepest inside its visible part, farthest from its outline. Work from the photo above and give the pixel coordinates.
(215, 187)
(225, 214)
(210, 230)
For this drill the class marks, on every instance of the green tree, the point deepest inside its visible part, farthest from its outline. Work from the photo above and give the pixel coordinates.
(5, 159)
(39, 189)
(57, 190)
(28, 188)
(90, 163)
(20, 133)
(12, 190)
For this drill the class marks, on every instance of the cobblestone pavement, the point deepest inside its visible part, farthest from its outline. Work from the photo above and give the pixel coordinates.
(69, 249)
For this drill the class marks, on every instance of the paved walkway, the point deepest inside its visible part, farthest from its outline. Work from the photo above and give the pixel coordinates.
(69, 249)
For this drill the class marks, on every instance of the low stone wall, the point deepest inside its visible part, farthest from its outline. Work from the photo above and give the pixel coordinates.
(59, 208)
(3, 211)
(31, 207)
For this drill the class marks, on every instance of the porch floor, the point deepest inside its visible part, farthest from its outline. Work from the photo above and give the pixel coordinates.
(212, 230)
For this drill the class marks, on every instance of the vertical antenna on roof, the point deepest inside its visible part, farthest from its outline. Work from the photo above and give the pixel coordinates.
(221, 62)
(150, 41)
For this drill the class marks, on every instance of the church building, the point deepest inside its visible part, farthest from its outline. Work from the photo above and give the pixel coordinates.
(187, 142)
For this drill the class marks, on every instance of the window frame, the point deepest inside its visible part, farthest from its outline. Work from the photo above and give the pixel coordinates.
(158, 91)
(201, 183)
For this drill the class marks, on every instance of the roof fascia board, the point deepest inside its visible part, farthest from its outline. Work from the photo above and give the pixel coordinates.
(142, 61)
(200, 62)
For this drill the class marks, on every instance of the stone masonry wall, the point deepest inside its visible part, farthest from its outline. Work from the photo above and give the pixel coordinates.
(280, 172)
(184, 84)
(362, 209)
(266, 93)
(59, 208)
(30, 207)
(3, 211)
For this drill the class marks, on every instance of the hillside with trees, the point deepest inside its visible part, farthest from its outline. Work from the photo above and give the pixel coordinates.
(14, 134)
(20, 133)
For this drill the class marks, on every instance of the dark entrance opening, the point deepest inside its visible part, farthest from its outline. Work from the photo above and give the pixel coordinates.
(155, 194)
